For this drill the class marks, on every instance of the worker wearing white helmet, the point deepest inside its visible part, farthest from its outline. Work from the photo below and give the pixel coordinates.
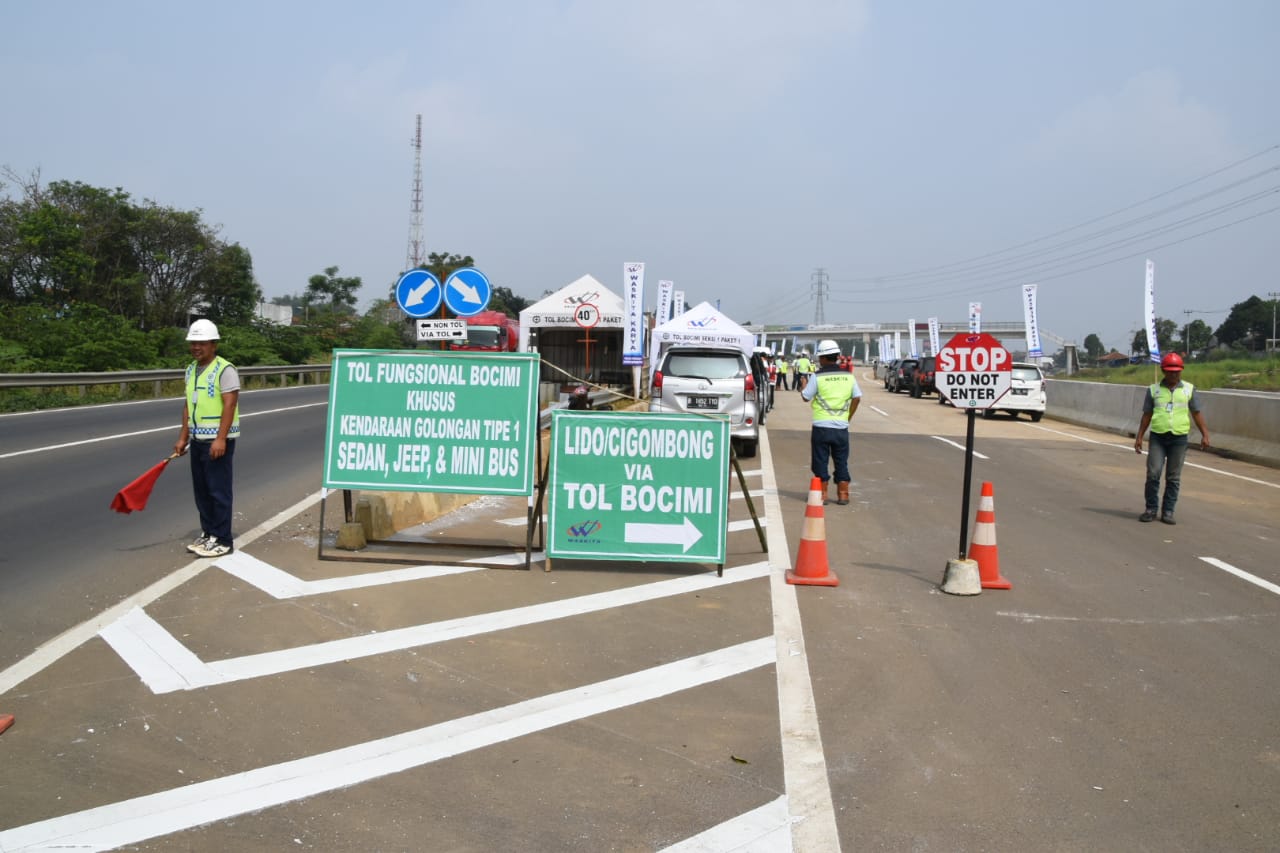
(210, 427)
(834, 394)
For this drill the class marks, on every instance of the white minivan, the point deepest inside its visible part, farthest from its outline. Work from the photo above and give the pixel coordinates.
(709, 380)
(1028, 392)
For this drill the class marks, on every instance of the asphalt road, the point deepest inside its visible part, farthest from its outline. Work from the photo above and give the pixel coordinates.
(1122, 696)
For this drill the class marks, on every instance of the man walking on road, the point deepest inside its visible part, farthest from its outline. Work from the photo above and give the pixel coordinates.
(210, 427)
(1169, 408)
(834, 395)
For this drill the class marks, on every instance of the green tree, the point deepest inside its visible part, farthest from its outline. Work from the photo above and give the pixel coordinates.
(174, 250)
(507, 302)
(1196, 336)
(338, 292)
(1166, 330)
(230, 290)
(1093, 347)
(1248, 324)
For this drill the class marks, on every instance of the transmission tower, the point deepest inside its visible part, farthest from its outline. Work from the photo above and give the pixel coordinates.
(818, 287)
(413, 257)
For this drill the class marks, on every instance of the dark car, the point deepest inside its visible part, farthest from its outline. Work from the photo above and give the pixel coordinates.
(922, 380)
(900, 373)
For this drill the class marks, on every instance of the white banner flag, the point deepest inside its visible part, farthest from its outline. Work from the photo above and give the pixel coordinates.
(975, 317)
(1033, 327)
(933, 336)
(911, 330)
(1153, 340)
(897, 344)
(665, 289)
(677, 303)
(633, 310)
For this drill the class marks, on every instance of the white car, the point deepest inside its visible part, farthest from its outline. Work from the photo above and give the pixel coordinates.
(709, 380)
(1028, 392)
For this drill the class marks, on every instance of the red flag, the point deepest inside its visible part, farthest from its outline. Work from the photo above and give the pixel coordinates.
(134, 496)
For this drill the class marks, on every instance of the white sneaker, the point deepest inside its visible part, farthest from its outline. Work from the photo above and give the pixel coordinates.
(201, 541)
(213, 548)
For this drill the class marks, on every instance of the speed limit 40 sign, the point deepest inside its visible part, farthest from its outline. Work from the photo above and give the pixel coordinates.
(586, 315)
(974, 371)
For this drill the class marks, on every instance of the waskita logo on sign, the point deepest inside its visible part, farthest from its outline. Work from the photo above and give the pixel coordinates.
(583, 531)
(702, 323)
(579, 299)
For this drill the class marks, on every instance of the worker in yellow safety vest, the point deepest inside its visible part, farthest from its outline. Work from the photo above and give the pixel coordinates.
(834, 396)
(1169, 408)
(210, 427)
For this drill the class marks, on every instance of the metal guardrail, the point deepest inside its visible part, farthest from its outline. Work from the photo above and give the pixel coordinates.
(124, 378)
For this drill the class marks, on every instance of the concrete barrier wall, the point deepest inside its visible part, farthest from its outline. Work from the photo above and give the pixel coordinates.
(1240, 423)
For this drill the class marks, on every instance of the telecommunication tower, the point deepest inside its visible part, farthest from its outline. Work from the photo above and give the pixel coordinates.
(413, 258)
(818, 286)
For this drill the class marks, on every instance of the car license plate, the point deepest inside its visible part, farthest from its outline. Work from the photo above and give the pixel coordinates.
(702, 401)
(1020, 391)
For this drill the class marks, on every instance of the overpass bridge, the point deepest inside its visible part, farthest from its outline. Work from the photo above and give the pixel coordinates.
(864, 336)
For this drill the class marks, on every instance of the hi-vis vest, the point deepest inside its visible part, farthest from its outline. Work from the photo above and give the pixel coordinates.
(204, 402)
(834, 395)
(1170, 412)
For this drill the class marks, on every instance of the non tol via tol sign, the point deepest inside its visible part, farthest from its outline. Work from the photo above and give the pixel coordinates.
(638, 486)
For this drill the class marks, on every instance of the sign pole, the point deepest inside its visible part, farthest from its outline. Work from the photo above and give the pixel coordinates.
(968, 476)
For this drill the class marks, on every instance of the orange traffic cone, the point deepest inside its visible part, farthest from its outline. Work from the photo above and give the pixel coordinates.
(982, 548)
(6, 720)
(811, 563)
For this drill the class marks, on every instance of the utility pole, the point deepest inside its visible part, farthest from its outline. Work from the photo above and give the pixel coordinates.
(818, 287)
(1186, 333)
(1274, 296)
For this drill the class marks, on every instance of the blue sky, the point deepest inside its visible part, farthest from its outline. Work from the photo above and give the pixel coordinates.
(734, 147)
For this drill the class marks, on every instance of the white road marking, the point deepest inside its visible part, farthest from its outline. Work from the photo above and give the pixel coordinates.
(1114, 620)
(164, 669)
(280, 584)
(1242, 574)
(960, 446)
(145, 432)
(150, 816)
(736, 494)
(1128, 448)
(73, 638)
(804, 764)
(746, 524)
(878, 411)
(763, 830)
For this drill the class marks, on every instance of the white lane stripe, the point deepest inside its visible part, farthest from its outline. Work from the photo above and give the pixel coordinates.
(746, 524)
(280, 584)
(177, 809)
(1242, 574)
(73, 638)
(960, 446)
(163, 663)
(243, 416)
(804, 764)
(879, 411)
(156, 671)
(763, 830)
(1128, 448)
(736, 493)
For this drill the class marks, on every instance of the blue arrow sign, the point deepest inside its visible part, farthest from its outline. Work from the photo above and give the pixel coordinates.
(418, 293)
(467, 292)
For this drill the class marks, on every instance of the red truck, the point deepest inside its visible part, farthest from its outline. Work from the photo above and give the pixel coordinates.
(490, 331)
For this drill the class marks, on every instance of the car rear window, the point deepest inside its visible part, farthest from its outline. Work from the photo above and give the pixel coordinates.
(1026, 374)
(705, 365)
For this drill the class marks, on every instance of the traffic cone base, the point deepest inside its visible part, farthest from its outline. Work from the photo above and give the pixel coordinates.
(812, 568)
(983, 549)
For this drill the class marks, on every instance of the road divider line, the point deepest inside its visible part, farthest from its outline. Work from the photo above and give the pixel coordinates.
(73, 638)
(959, 446)
(879, 411)
(1242, 574)
(154, 665)
(177, 809)
(765, 828)
(804, 764)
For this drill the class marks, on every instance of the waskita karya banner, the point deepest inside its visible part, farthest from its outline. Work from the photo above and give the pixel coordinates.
(1149, 311)
(633, 310)
(1033, 327)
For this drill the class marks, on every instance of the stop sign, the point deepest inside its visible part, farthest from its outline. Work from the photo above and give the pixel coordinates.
(974, 371)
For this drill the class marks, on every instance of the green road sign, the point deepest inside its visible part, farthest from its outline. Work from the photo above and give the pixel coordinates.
(420, 421)
(638, 486)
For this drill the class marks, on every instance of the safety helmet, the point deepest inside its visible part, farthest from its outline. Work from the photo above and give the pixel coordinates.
(828, 347)
(1171, 361)
(203, 330)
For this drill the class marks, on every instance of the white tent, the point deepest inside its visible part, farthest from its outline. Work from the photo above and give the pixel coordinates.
(557, 310)
(702, 325)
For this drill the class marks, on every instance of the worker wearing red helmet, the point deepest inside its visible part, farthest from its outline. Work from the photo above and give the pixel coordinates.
(1169, 409)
